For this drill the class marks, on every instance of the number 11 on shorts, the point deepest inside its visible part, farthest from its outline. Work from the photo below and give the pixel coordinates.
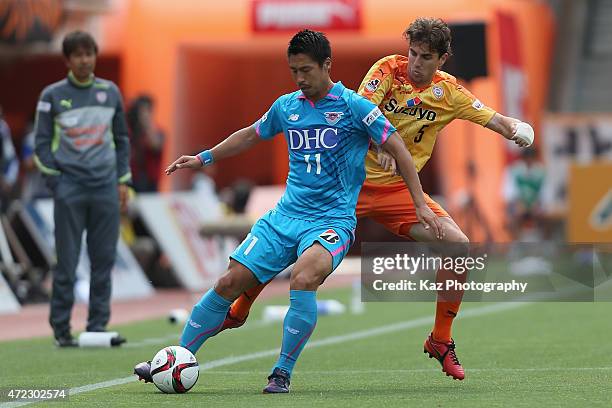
(253, 239)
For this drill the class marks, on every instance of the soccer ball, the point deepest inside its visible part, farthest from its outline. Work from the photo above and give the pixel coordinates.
(174, 370)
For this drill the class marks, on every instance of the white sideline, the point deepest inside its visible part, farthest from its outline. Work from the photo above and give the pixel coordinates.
(174, 337)
(416, 370)
(357, 335)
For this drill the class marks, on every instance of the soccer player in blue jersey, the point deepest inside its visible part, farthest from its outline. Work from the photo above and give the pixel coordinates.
(328, 130)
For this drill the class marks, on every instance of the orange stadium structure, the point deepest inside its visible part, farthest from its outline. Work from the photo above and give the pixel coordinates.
(211, 74)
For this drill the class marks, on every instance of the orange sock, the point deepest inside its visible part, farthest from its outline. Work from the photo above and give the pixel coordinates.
(241, 306)
(445, 313)
(447, 306)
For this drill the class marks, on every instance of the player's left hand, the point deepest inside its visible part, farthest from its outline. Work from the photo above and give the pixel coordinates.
(523, 134)
(430, 220)
(124, 194)
(387, 162)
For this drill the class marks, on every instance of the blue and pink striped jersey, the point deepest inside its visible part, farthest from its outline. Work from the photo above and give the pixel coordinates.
(327, 143)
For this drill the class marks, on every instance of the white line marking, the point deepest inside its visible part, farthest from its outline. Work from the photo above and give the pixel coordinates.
(174, 337)
(153, 340)
(409, 370)
(358, 335)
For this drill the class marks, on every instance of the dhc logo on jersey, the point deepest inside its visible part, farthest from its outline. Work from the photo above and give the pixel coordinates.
(317, 138)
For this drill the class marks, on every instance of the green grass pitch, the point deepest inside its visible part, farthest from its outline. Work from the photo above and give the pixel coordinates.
(518, 355)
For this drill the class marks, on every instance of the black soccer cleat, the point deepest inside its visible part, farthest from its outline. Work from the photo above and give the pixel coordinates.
(278, 382)
(66, 341)
(143, 371)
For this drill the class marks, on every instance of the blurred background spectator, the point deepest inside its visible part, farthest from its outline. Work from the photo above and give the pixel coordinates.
(522, 191)
(9, 163)
(32, 183)
(147, 141)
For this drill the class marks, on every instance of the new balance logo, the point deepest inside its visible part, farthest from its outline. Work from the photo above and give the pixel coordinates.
(330, 236)
(194, 324)
(292, 330)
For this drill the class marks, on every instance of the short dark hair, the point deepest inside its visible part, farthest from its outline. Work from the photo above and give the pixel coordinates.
(312, 43)
(77, 39)
(431, 31)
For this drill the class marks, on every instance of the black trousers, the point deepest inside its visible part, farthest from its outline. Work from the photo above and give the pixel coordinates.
(77, 209)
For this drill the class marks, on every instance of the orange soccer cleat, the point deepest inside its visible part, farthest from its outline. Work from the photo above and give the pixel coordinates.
(445, 354)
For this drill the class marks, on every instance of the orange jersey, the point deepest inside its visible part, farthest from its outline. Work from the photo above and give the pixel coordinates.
(418, 114)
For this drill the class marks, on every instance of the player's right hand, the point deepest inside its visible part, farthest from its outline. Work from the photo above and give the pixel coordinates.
(430, 220)
(522, 134)
(387, 162)
(184, 162)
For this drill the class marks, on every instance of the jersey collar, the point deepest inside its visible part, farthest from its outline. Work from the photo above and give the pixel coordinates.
(436, 78)
(333, 94)
(335, 91)
(78, 83)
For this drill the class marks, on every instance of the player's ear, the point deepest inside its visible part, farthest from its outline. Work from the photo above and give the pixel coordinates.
(327, 64)
(443, 59)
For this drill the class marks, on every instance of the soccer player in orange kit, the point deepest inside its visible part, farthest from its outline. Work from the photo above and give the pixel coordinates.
(419, 100)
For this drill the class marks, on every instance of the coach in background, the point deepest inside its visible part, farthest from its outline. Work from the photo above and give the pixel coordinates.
(82, 148)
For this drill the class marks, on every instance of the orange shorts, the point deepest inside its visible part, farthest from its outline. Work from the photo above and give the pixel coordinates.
(391, 205)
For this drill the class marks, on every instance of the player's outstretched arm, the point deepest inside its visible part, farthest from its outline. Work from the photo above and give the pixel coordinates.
(396, 148)
(236, 143)
(513, 129)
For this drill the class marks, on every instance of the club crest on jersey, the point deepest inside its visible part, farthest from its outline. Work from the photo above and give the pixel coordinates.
(477, 105)
(330, 236)
(101, 96)
(372, 85)
(333, 117)
(437, 92)
(413, 102)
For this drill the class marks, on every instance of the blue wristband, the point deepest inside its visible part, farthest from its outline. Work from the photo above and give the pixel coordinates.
(206, 158)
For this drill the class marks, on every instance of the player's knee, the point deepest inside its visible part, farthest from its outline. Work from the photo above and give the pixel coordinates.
(229, 286)
(458, 237)
(459, 243)
(305, 281)
(454, 235)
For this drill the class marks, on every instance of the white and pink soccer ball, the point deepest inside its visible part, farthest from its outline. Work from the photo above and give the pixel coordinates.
(174, 370)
